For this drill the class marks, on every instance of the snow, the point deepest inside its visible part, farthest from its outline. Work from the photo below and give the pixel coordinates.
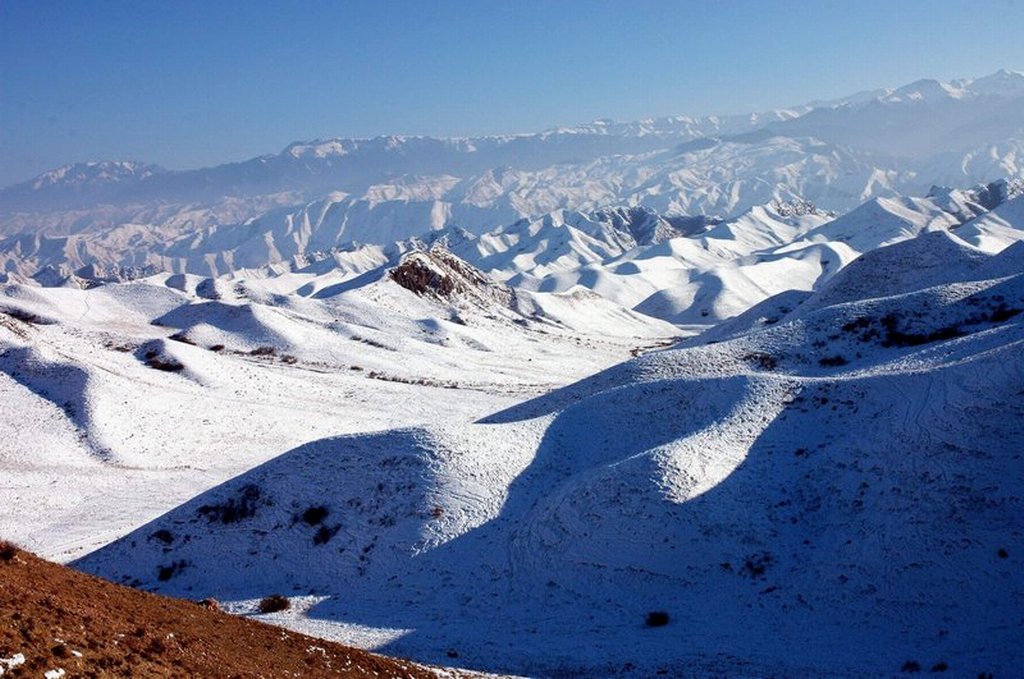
(119, 219)
(541, 403)
(829, 471)
(997, 229)
(7, 664)
(86, 377)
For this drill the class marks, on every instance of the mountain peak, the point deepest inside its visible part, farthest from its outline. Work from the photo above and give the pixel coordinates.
(1003, 82)
(95, 172)
(319, 148)
(437, 273)
(926, 89)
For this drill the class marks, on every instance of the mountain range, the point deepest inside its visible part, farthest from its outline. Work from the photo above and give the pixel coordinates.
(685, 397)
(427, 462)
(129, 218)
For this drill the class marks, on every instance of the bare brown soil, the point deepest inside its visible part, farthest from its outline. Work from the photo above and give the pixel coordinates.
(60, 618)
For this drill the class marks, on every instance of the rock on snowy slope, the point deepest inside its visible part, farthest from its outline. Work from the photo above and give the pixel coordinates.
(847, 478)
(441, 275)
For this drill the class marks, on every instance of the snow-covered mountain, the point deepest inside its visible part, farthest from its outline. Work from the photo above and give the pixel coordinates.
(670, 398)
(431, 462)
(920, 119)
(806, 483)
(694, 272)
(315, 196)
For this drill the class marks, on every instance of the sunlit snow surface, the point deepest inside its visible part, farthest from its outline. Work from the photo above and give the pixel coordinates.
(827, 483)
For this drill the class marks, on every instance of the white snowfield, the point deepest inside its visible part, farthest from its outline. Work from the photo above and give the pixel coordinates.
(123, 400)
(826, 481)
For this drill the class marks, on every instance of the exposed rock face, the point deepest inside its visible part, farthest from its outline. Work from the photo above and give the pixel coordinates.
(647, 227)
(439, 274)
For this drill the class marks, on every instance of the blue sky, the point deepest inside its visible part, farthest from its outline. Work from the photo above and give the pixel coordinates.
(188, 84)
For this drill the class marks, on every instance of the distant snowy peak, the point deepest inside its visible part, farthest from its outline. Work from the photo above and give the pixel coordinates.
(924, 120)
(1002, 83)
(924, 90)
(337, 147)
(82, 185)
(319, 148)
(680, 127)
(96, 173)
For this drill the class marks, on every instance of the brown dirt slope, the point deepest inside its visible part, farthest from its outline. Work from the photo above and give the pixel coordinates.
(62, 619)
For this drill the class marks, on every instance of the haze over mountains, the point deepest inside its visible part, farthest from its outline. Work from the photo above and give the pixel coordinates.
(731, 396)
(127, 218)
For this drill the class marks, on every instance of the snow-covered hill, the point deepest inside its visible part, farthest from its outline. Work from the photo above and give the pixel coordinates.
(150, 391)
(680, 397)
(690, 271)
(788, 494)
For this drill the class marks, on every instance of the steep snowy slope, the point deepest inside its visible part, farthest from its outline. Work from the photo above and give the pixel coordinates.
(836, 494)
(564, 240)
(883, 221)
(720, 270)
(997, 229)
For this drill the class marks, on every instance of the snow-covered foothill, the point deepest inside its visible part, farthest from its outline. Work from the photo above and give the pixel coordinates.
(845, 478)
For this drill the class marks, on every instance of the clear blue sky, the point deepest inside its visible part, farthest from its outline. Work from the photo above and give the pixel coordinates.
(193, 83)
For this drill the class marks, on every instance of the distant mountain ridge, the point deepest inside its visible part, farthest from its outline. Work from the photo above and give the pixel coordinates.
(323, 195)
(689, 271)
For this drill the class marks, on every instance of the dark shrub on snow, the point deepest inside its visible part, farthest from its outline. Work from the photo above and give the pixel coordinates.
(657, 619)
(274, 603)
